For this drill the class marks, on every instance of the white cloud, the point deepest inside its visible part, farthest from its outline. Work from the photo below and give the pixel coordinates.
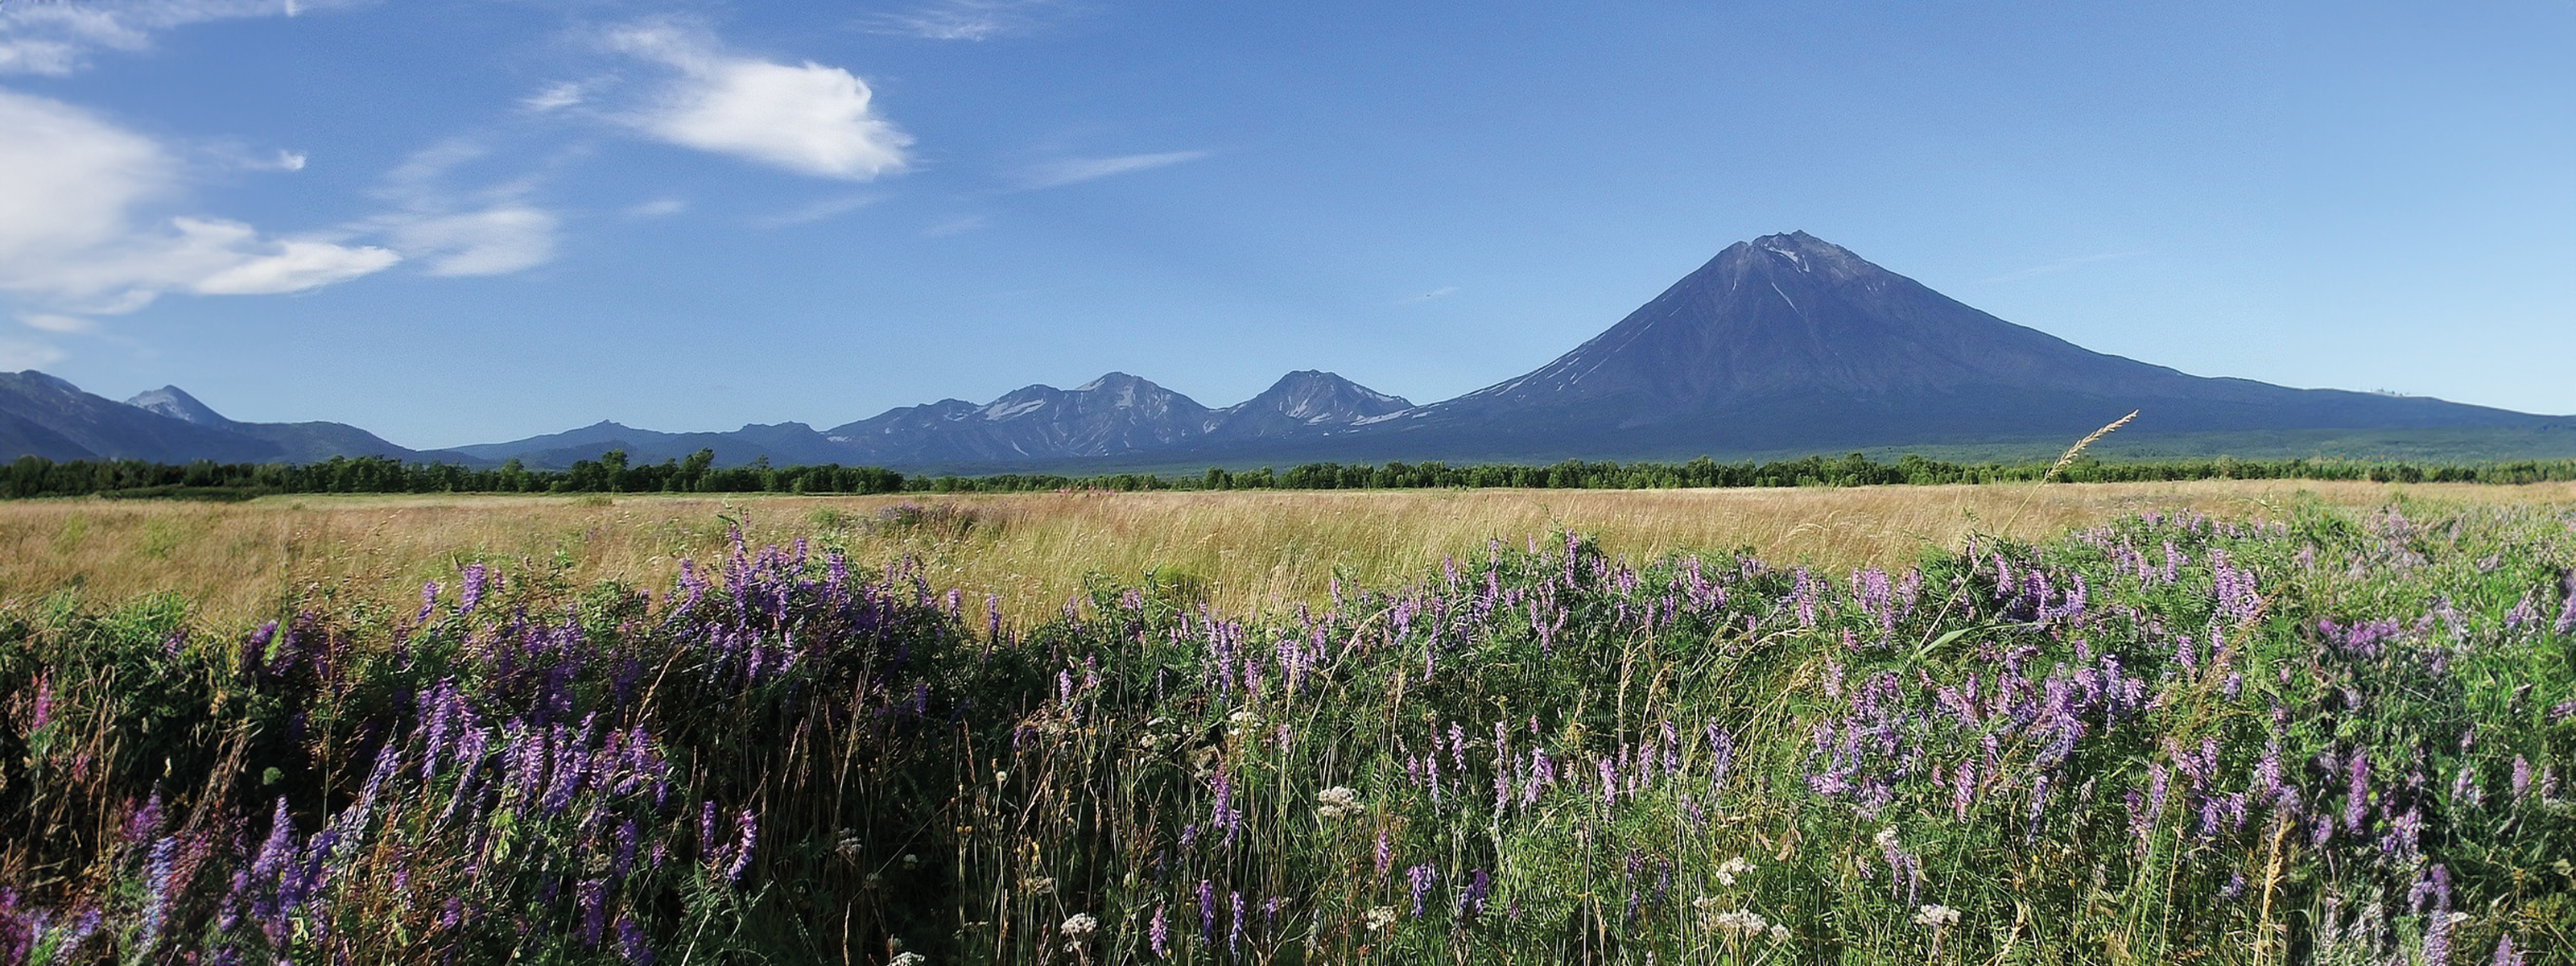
(494, 241)
(1078, 170)
(493, 230)
(73, 189)
(57, 38)
(658, 208)
(824, 210)
(278, 266)
(967, 19)
(555, 97)
(288, 161)
(26, 354)
(64, 324)
(806, 118)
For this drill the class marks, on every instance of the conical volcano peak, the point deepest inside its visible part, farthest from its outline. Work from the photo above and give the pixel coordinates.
(1803, 253)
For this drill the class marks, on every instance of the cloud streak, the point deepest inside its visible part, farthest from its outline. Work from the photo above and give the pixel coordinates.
(1078, 170)
(824, 210)
(56, 39)
(76, 239)
(969, 20)
(492, 231)
(807, 118)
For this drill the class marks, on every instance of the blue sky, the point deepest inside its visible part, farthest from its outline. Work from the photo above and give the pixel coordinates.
(475, 220)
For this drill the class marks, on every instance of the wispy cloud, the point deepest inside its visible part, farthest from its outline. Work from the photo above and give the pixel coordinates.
(28, 354)
(499, 240)
(555, 97)
(807, 118)
(58, 38)
(63, 324)
(77, 237)
(657, 208)
(456, 233)
(1438, 293)
(824, 210)
(2057, 266)
(1075, 171)
(969, 19)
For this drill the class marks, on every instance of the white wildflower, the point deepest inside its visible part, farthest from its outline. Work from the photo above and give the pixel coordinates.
(1039, 885)
(1337, 802)
(907, 959)
(1380, 918)
(1080, 926)
(1779, 933)
(1729, 869)
(1935, 916)
(1886, 837)
(1740, 924)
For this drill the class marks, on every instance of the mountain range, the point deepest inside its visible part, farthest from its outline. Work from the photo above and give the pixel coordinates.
(1782, 344)
(44, 416)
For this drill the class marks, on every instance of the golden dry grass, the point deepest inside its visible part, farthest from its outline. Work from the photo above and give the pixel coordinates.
(1250, 550)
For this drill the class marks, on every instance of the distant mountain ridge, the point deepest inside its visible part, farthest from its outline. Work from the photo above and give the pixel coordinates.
(41, 415)
(1784, 343)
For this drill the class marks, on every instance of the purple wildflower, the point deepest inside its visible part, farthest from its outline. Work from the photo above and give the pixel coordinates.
(630, 941)
(1421, 877)
(746, 833)
(1207, 911)
(1234, 929)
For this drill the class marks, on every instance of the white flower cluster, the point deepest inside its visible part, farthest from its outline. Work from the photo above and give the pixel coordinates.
(1886, 837)
(1935, 916)
(1380, 918)
(1337, 802)
(1240, 722)
(1080, 927)
(907, 958)
(1738, 923)
(1729, 869)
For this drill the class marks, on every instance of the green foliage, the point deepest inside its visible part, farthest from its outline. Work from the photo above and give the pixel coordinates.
(2327, 738)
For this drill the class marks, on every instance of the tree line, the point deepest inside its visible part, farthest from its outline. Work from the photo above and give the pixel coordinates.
(613, 472)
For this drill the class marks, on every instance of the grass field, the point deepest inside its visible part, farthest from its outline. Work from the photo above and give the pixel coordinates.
(2204, 723)
(1249, 551)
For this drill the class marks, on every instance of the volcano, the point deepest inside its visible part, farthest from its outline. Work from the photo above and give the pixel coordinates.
(1790, 342)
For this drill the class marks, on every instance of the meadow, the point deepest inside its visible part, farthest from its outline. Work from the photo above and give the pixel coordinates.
(2209, 722)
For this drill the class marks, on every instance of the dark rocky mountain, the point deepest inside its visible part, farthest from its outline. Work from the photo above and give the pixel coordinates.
(175, 403)
(1112, 417)
(1790, 342)
(1784, 344)
(1303, 403)
(41, 415)
(1114, 414)
(83, 426)
(296, 442)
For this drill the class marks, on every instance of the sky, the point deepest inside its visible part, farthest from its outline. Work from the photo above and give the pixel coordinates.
(477, 220)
